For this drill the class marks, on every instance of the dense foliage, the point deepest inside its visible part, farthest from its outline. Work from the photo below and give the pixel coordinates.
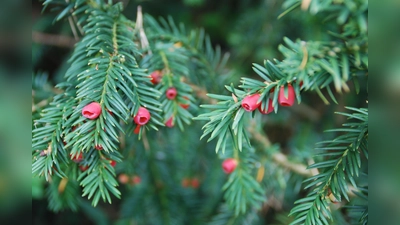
(126, 120)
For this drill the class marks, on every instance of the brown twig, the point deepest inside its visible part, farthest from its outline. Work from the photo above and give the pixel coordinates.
(278, 157)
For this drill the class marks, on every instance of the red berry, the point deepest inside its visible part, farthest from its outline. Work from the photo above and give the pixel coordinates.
(77, 158)
(229, 165)
(289, 101)
(92, 111)
(267, 110)
(171, 93)
(137, 129)
(185, 182)
(155, 77)
(195, 183)
(136, 180)
(170, 122)
(142, 117)
(113, 163)
(249, 103)
(123, 178)
(185, 106)
(83, 168)
(98, 147)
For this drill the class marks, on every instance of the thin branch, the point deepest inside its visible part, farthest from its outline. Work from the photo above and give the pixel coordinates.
(144, 42)
(278, 157)
(53, 39)
(41, 104)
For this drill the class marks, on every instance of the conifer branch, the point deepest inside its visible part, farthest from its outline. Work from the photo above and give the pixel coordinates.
(343, 162)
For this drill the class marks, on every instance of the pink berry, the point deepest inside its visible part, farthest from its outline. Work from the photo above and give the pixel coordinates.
(267, 110)
(170, 122)
(229, 165)
(142, 117)
(123, 178)
(195, 183)
(136, 180)
(92, 110)
(155, 77)
(249, 103)
(289, 101)
(113, 163)
(171, 93)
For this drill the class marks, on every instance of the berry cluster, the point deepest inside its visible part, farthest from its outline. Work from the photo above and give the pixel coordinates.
(125, 179)
(253, 102)
(187, 182)
(171, 93)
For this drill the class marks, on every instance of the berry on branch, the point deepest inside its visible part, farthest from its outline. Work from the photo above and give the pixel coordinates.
(113, 163)
(171, 93)
(136, 180)
(170, 122)
(268, 109)
(289, 100)
(123, 178)
(195, 183)
(249, 103)
(98, 147)
(155, 77)
(229, 165)
(142, 117)
(92, 110)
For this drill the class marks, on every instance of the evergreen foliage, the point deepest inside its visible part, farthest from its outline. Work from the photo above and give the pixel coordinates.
(111, 65)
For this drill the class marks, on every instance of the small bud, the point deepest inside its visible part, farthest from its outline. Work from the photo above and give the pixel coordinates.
(98, 147)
